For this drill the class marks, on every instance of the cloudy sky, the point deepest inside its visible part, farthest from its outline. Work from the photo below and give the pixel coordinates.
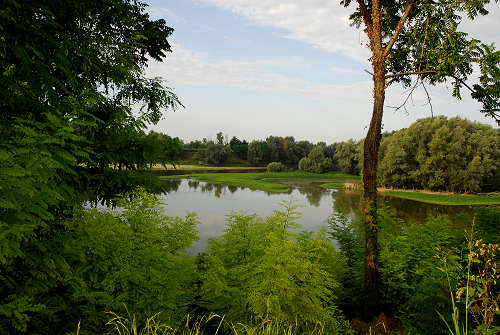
(283, 67)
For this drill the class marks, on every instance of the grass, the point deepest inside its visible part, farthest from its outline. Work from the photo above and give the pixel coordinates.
(269, 181)
(446, 199)
(128, 326)
(335, 186)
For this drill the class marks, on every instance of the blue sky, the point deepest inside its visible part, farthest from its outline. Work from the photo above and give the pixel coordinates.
(292, 67)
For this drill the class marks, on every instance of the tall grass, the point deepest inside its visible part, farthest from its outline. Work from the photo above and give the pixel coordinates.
(212, 324)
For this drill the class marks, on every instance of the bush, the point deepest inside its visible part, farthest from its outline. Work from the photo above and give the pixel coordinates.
(133, 259)
(260, 270)
(275, 167)
(412, 285)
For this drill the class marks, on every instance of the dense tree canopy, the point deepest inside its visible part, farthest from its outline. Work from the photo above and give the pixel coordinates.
(444, 155)
(72, 72)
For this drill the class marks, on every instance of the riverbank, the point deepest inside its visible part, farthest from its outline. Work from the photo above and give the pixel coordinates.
(186, 169)
(269, 181)
(444, 198)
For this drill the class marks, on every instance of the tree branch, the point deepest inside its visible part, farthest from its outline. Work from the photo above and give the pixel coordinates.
(409, 73)
(399, 27)
(366, 17)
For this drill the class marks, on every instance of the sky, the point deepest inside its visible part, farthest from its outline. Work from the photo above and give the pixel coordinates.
(252, 69)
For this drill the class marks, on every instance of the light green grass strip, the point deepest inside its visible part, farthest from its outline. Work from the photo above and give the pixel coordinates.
(267, 181)
(447, 199)
(335, 186)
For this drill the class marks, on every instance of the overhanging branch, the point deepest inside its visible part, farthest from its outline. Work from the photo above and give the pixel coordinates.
(399, 27)
(408, 73)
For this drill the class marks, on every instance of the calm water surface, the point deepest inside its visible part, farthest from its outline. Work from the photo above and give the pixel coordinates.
(213, 202)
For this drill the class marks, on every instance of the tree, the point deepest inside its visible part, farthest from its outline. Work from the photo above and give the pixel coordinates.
(316, 161)
(258, 153)
(217, 153)
(347, 157)
(416, 38)
(240, 148)
(71, 73)
(276, 145)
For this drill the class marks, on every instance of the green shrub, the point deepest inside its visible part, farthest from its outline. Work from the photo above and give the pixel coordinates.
(134, 258)
(259, 269)
(275, 167)
(412, 285)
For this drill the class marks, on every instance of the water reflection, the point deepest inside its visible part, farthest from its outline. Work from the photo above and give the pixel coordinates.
(212, 202)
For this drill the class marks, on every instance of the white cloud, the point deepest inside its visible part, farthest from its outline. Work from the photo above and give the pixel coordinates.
(188, 67)
(322, 23)
(325, 23)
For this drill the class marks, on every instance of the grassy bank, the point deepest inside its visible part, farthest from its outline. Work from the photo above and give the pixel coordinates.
(446, 199)
(269, 181)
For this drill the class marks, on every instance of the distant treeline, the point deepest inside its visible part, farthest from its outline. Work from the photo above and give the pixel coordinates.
(437, 153)
(305, 155)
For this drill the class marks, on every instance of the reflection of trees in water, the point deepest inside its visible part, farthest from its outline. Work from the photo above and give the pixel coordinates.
(313, 193)
(207, 187)
(415, 211)
(193, 184)
(232, 188)
(347, 202)
(290, 190)
(118, 182)
(172, 185)
(218, 190)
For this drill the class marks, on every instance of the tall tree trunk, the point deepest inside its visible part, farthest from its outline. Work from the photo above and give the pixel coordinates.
(370, 161)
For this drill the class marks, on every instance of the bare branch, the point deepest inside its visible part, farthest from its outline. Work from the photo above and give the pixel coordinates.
(410, 95)
(399, 27)
(428, 98)
(371, 74)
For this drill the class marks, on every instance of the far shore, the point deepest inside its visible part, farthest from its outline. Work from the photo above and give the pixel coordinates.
(266, 182)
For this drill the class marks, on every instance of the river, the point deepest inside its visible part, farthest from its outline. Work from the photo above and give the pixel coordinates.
(213, 202)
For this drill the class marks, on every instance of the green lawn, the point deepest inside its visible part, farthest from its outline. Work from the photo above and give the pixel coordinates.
(447, 199)
(269, 181)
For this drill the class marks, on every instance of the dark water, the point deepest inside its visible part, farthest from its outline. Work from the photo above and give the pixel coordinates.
(212, 202)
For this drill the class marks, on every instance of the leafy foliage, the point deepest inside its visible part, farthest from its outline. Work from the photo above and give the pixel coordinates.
(316, 161)
(275, 167)
(132, 257)
(71, 73)
(259, 269)
(217, 153)
(240, 148)
(347, 155)
(412, 285)
(441, 154)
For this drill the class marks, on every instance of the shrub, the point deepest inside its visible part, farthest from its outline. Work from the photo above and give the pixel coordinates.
(412, 286)
(134, 258)
(275, 167)
(259, 269)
